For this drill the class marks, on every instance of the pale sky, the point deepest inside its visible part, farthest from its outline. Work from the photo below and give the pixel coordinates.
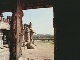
(42, 19)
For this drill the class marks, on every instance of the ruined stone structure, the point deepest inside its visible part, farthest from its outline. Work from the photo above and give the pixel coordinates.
(31, 33)
(4, 29)
(66, 16)
(28, 34)
(16, 7)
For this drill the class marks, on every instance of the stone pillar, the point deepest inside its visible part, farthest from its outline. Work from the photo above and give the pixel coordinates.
(16, 33)
(1, 17)
(22, 34)
(31, 36)
(31, 33)
(1, 32)
(4, 19)
(1, 36)
(8, 20)
(26, 33)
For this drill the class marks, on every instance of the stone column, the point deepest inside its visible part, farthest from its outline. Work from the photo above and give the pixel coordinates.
(31, 36)
(31, 33)
(1, 32)
(27, 37)
(25, 32)
(16, 33)
(1, 41)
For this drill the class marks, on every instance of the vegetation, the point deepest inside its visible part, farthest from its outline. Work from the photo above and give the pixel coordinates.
(46, 36)
(38, 36)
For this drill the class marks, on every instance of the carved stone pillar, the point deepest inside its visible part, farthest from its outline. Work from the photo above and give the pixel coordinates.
(16, 32)
(31, 33)
(26, 33)
(31, 36)
(1, 35)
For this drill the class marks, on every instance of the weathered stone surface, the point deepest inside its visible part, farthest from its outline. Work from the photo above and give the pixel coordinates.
(26, 4)
(16, 26)
(4, 25)
(28, 35)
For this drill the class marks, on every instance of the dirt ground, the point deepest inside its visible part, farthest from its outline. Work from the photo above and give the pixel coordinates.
(43, 51)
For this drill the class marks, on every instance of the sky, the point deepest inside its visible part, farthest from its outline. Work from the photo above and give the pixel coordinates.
(41, 18)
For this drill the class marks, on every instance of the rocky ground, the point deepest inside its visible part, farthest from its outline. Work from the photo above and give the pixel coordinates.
(43, 51)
